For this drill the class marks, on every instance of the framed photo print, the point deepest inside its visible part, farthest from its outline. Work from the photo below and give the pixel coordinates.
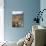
(17, 19)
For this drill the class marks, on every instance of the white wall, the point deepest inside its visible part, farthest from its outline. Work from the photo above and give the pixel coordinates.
(1, 20)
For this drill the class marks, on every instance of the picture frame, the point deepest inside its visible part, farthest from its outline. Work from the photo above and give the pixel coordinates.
(17, 19)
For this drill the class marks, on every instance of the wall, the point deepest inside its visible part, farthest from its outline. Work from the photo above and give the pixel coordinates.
(1, 20)
(29, 7)
(43, 6)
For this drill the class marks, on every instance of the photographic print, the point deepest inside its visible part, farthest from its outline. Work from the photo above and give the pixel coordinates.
(17, 20)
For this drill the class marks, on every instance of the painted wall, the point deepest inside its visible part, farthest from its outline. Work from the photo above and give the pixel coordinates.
(43, 6)
(29, 7)
(1, 20)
